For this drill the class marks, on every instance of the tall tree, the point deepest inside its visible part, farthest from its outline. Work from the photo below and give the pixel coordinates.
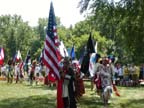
(15, 34)
(122, 21)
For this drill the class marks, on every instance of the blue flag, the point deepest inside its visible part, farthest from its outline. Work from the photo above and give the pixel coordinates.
(73, 53)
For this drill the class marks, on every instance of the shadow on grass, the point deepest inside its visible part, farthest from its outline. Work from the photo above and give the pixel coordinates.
(97, 103)
(87, 84)
(90, 102)
(42, 101)
(133, 104)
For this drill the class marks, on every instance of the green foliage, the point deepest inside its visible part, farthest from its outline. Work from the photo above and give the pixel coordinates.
(18, 35)
(80, 42)
(14, 35)
(116, 26)
(36, 49)
(132, 28)
(40, 30)
(121, 21)
(81, 28)
(25, 96)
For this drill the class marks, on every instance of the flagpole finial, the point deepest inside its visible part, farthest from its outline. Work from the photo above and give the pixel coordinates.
(51, 3)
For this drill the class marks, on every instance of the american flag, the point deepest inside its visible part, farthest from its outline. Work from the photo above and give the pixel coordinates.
(51, 54)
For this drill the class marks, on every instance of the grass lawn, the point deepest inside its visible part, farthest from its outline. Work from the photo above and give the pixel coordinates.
(26, 96)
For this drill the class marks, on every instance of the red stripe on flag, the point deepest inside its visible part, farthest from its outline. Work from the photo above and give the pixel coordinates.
(49, 48)
(56, 38)
(50, 57)
(55, 52)
(50, 67)
(54, 30)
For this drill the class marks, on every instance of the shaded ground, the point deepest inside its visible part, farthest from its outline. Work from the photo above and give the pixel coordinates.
(26, 96)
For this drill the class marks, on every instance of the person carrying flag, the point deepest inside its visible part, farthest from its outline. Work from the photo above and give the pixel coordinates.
(68, 78)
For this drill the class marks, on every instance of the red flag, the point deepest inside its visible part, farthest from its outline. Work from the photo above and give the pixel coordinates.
(1, 56)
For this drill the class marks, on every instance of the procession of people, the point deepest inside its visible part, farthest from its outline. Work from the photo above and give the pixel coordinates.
(70, 87)
(67, 74)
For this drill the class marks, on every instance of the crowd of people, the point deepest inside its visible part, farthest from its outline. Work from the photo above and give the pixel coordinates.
(71, 78)
(18, 71)
(128, 75)
(70, 87)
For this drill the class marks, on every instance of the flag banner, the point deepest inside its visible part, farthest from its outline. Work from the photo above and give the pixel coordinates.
(96, 45)
(90, 45)
(69, 51)
(1, 56)
(41, 56)
(86, 59)
(73, 56)
(92, 64)
(28, 58)
(83, 52)
(51, 54)
(63, 50)
(85, 65)
(17, 57)
(81, 58)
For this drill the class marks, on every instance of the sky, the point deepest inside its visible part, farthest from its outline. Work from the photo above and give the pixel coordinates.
(31, 10)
